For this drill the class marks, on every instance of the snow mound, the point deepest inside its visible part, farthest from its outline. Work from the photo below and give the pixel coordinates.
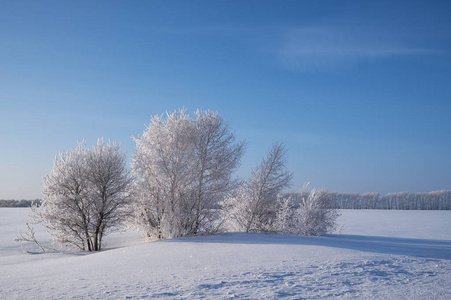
(237, 265)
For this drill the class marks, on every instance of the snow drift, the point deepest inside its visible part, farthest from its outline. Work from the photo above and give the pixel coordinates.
(238, 265)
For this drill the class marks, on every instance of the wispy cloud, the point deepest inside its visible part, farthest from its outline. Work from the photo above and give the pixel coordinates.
(325, 48)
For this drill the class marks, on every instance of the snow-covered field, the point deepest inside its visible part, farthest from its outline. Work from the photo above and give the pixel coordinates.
(375, 255)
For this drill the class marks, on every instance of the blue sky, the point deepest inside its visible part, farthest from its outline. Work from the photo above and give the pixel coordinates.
(360, 92)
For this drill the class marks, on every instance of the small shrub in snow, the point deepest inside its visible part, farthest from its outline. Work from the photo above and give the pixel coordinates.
(311, 216)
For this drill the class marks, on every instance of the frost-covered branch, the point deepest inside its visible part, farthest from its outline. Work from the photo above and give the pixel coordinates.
(30, 237)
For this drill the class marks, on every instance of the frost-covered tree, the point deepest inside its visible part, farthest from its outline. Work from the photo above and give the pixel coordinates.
(87, 194)
(252, 207)
(163, 164)
(110, 183)
(217, 156)
(184, 167)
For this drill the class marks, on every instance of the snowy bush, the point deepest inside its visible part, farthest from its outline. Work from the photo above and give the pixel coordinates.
(184, 168)
(87, 194)
(310, 216)
(252, 206)
(236, 209)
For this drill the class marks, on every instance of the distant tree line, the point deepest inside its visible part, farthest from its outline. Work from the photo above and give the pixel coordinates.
(436, 200)
(19, 203)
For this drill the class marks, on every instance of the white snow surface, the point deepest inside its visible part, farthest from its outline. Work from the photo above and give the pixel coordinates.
(376, 254)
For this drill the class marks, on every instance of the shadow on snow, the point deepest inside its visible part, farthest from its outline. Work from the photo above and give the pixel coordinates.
(438, 249)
